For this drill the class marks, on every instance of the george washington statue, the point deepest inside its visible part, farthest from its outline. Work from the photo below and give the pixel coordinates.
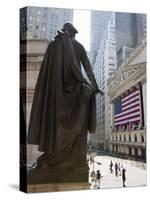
(63, 111)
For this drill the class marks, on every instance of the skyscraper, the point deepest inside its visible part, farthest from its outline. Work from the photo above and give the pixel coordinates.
(130, 30)
(104, 68)
(141, 26)
(99, 20)
(43, 23)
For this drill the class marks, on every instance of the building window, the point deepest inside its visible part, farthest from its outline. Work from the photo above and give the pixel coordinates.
(112, 64)
(129, 138)
(135, 138)
(142, 138)
(136, 152)
(130, 151)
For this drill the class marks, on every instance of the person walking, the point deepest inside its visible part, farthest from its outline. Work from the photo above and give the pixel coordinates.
(119, 169)
(124, 176)
(111, 165)
(116, 169)
(98, 179)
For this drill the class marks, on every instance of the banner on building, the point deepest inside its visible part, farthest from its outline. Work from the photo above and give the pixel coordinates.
(127, 109)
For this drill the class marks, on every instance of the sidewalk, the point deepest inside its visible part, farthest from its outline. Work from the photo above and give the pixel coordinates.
(135, 176)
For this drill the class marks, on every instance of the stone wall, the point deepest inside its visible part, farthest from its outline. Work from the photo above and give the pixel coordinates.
(32, 53)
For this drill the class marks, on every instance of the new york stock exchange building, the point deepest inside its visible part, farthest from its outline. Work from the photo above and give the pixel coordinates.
(127, 93)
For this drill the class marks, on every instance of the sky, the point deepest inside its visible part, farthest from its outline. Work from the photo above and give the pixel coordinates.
(81, 20)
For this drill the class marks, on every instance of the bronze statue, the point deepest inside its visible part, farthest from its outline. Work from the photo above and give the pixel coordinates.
(63, 111)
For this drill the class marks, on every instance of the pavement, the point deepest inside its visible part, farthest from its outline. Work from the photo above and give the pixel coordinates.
(135, 173)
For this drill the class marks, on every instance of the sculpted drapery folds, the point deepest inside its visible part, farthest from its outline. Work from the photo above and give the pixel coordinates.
(64, 107)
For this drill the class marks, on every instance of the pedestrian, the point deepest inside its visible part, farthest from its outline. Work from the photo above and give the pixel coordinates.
(98, 179)
(93, 179)
(116, 169)
(119, 169)
(111, 165)
(124, 176)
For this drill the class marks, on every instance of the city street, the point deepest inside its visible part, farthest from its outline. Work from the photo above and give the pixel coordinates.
(135, 173)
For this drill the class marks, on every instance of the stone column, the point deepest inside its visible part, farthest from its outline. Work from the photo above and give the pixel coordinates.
(35, 50)
(111, 122)
(144, 86)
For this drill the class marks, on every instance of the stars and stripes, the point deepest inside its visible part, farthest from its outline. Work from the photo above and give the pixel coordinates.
(127, 109)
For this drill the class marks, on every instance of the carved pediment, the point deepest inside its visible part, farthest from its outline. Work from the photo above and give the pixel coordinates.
(129, 74)
(125, 75)
(121, 76)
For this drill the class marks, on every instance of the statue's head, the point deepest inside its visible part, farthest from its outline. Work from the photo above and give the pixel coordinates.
(69, 28)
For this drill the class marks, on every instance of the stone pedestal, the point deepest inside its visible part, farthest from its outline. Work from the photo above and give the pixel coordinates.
(47, 175)
(55, 187)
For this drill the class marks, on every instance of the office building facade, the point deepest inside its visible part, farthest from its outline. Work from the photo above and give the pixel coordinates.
(43, 23)
(99, 21)
(104, 68)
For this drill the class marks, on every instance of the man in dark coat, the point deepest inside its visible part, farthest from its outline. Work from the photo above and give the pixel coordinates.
(124, 176)
(116, 169)
(111, 165)
(98, 179)
(63, 111)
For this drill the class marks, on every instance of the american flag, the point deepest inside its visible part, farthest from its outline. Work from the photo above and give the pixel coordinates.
(127, 109)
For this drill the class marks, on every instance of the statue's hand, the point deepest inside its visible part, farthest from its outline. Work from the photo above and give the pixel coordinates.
(98, 91)
(101, 92)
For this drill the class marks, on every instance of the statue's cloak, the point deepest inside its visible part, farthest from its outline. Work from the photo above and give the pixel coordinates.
(63, 104)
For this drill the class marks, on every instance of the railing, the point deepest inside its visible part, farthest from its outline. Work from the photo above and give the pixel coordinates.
(140, 144)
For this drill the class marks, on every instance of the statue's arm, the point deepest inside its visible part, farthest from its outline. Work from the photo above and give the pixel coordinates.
(88, 69)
